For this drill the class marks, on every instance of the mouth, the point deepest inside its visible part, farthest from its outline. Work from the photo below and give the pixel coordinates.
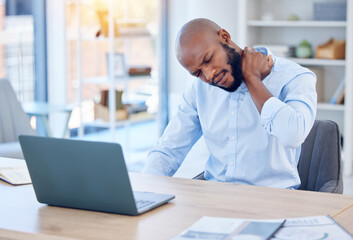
(220, 79)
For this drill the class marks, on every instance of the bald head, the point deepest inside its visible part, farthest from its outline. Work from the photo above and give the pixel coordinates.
(206, 51)
(198, 26)
(194, 31)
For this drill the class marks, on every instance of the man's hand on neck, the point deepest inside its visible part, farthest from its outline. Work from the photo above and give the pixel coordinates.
(256, 67)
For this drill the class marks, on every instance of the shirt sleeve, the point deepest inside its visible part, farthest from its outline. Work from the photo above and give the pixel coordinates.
(291, 119)
(178, 138)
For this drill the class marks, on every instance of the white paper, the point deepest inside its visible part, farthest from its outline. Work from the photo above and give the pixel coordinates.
(306, 228)
(311, 228)
(14, 171)
(226, 228)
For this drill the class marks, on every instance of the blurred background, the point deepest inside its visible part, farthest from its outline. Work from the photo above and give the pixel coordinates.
(105, 70)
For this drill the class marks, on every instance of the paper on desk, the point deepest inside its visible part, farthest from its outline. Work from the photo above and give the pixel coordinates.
(312, 228)
(14, 171)
(230, 228)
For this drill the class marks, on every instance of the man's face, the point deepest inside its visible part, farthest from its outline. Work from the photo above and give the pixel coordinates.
(213, 62)
(234, 60)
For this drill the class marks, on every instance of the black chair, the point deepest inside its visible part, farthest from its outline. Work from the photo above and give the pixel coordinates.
(319, 164)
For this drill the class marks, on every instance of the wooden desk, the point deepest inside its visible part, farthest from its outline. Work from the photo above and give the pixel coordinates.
(345, 218)
(21, 216)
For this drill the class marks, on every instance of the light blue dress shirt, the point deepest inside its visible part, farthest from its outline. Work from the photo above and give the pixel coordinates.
(245, 147)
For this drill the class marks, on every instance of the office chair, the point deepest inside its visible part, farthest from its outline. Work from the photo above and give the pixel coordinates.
(13, 122)
(319, 164)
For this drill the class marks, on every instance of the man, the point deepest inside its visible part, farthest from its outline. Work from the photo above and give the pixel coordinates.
(254, 111)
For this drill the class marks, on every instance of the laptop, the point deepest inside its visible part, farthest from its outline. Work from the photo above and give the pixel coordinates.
(85, 175)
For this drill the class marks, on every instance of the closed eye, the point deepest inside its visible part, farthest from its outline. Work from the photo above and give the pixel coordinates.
(207, 61)
(196, 74)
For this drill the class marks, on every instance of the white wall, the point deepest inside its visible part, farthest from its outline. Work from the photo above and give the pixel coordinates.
(223, 12)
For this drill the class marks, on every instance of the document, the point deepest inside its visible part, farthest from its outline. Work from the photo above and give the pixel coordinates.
(216, 228)
(312, 228)
(14, 171)
(306, 228)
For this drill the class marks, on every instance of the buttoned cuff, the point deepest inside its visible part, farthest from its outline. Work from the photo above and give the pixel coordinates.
(152, 171)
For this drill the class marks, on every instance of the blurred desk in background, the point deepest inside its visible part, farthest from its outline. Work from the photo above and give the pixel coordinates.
(43, 109)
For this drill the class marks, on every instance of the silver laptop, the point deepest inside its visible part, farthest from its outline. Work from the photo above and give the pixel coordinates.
(85, 175)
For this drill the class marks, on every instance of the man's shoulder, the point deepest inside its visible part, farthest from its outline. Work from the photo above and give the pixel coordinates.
(285, 71)
(288, 66)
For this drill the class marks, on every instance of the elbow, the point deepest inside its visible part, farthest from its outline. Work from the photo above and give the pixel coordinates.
(296, 132)
(289, 137)
(293, 139)
(292, 134)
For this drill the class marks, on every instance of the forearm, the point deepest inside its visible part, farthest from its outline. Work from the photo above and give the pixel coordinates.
(169, 153)
(258, 91)
(180, 135)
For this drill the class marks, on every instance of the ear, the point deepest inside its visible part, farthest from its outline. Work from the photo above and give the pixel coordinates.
(224, 36)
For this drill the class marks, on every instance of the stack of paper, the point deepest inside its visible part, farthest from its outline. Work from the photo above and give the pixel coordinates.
(230, 228)
(14, 171)
(306, 228)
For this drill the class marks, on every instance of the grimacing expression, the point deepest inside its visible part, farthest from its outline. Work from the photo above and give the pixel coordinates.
(234, 60)
(220, 65)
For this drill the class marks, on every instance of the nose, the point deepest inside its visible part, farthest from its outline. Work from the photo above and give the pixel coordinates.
(209, 73)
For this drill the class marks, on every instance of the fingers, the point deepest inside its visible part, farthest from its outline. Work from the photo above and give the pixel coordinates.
(270, 61)
(255, 65)
(245, 51)
(251, 50)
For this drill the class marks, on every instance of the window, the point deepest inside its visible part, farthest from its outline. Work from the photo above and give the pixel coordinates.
(17, 48)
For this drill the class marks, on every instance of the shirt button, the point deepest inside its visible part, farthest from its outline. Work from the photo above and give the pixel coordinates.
(233, 113)
(232, 138)
(230, 163)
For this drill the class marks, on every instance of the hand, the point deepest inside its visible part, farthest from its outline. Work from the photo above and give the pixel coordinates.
(255, 65)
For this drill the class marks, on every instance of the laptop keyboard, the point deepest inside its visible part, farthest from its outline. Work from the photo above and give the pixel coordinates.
(143, 203)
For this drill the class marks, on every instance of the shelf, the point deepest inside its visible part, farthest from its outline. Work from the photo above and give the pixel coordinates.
(318, 62)
(105, 80)
(330, 107)
(282, 32)
(125, 36)
(260, 23)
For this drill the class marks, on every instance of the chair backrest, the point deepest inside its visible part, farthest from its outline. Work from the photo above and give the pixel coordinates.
(13, 120)
(319, 164)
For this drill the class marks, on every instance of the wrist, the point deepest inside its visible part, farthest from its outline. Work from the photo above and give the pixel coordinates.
(251, 79)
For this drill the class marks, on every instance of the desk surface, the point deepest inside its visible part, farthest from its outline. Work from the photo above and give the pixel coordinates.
(21, 212)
